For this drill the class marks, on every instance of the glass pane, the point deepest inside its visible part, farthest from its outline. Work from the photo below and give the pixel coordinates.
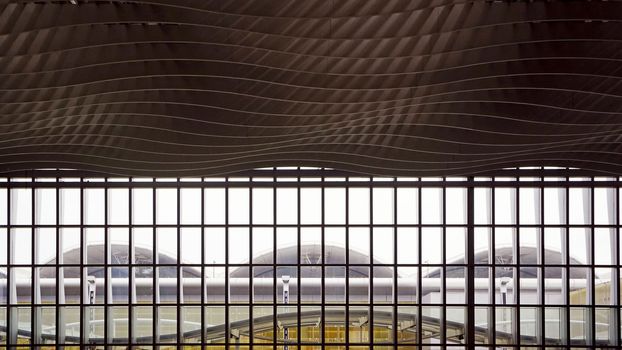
(456, 205)
(383, 249)
(580, 206)
(190, 245)
(286, 245)
(45, 201)
(214, 205)
(94, 206)
(554, 206)
(311, 244)
(21, 206)
(143, 245)
(383, 206)
(286, 206)
(407, 245)
(214, 240)
(190, 206)
(358, 239)
(118, 206)
(21, 246)
(335, 205)
(166, 245)
(358, 205)
(334, 246)
(239, 246)
(263, 206)
(407, 206)
(505, 205)
(69, 202)
(605, 206)
(529, 200)
(142, 206)
(431, 245)
(432, 211)
(46, 245)
(166, 206)
(482, 198)
(142, 322)
(239, 205)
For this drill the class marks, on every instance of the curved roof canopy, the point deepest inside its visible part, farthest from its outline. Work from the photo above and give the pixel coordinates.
(395, 87)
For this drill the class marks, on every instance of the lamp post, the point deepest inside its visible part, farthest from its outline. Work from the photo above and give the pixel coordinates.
(285, 280)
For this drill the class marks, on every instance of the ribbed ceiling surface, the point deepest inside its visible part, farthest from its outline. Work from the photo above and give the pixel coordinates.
(397, 87)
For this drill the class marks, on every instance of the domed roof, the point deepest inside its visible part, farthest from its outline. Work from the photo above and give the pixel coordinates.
(311, 255)
(504, 255)
(119, 255)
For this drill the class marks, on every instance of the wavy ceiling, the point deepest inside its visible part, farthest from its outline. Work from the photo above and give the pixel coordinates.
(396, 87)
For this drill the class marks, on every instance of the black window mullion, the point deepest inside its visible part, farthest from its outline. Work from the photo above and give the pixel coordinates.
(179, 269)
(371, 303)
(130, 269)
(34, 310)
(154, 260)
(395, 264)
(203, 262)
(228, 267)
(470, 276)
(493, 270)
(443, 270)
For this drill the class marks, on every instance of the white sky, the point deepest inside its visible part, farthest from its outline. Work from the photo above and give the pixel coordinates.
(335, 213)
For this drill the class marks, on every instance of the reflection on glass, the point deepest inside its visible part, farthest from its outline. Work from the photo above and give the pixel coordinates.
(579, 325)
(142, 323)
(553, 325)
(407, 285)
(118, 332)
(431, 287)
(407, 324)
(358, 284)
(383, 324)
(455, 321)
(167, 324)
(431, 316)
(214, 318)
(529, 325)
(69, 329)
(359, 324)
(191, 324)
(505, 320)
(483, 317)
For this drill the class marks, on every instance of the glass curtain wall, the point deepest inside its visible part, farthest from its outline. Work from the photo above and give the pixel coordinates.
(309, 259)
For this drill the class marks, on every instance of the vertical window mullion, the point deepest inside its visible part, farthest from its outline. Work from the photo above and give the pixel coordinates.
(323, 266)
(155, 336)
(443, 269)
(493, 269)
(202, 230)
(470, 260)
(370, 306)
(130, 269)
(179, 269)
(227, 328)
(394, 263)
(34, 316)
(592, 275)
(419, 297)
(57, 254)
(251, 297)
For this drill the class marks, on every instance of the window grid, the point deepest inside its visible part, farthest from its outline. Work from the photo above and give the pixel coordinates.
(589, 309)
